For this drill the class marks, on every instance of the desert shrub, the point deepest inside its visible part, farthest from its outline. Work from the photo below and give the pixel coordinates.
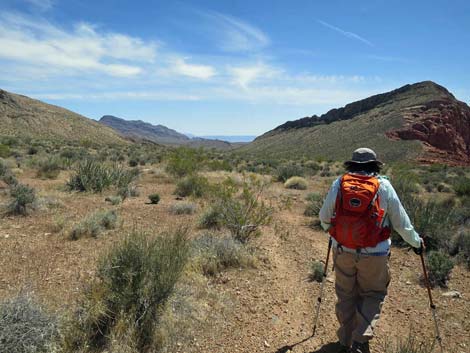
(217, 164)
(93, 176)
(133, 162)
(311, 167)
(183, 208)
(210, 218)
(439, 267)
(23, 198)
(192, 185)
(49, 168)
(408, 345)
(114, 200)
(154, 198)
(5, 151)
(287, 171)
(214, 254)
(462, 187)
(461, 246)
(6, 175)
(315, 201)
(25, 327)
(297, 183)
(184, 161)
(94, 224)
(134, 281)
(316, 271)
(243, 214)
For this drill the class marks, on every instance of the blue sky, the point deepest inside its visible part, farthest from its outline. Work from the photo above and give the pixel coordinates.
(228, 67)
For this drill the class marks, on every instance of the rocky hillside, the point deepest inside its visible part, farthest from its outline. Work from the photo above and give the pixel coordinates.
(422, 121)
(138, 129)
(25, 117)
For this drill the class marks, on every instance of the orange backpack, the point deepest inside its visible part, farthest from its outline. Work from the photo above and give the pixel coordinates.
(357, 222)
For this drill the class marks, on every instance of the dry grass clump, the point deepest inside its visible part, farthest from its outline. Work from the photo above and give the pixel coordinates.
(183, 208)
(409, 345)
(316, 271)
(121, 309)
(213, 254)
(25, 327)
(94, 224)
(297, 183)
(23, 199)
(315, 201)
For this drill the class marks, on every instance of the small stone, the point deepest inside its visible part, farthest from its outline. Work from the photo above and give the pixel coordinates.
(266, 344)
(408, 282)
(452, 294)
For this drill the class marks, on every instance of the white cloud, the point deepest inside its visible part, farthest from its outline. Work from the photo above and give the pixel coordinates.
(245, 75)
(181, 67)
(39, 43)
(237, 35)
(350, 35)
(42, 5)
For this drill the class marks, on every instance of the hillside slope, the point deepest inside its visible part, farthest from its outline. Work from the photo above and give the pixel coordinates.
(26, 117)
(422, 121)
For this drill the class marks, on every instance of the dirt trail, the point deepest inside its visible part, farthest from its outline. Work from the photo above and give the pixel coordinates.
(275, 303)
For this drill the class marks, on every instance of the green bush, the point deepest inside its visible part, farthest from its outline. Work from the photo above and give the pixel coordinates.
(134, 282)
(288, 171)
(184, 161)
(5, 151)
(94, 224)
(439, 267)
(23, 198)
(210, 218)
(214, 254)
(49, 168)
(6, 175)
(297, 183)
(94, 176)
(154, 198)
(315, 202)
(244, 214)
(461, 246)
(114, 200)
(25, 327)
(192, 185)
(183, 208)
(316, 271)
(462, 187)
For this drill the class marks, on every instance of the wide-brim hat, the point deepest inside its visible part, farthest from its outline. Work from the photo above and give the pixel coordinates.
(362, 156)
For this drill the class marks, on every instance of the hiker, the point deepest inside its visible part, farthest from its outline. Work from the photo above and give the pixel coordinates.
(359, 211)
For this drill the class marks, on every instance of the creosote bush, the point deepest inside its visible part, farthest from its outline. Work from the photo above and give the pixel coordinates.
(184, 161)
(49, 168)
(134, 281)
(23, 198)
(25, 327)
(242, 213)
(297, 183)
(439, 267)
(192, 185)
(94, 224)
(287, 171)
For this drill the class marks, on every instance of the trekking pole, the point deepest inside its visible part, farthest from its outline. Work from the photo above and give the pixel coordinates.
(325, 270)
(431, 303)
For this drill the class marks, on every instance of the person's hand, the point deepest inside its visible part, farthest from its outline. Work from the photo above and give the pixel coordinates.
(422, 247)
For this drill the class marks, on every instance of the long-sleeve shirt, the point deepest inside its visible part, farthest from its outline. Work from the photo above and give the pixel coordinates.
(395, 216)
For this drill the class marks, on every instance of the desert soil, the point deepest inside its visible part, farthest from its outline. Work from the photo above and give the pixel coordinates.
(272, 305)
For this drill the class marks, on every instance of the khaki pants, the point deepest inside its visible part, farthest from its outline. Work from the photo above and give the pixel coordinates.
(361, 287)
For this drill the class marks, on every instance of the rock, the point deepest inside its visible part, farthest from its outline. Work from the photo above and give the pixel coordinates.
(452, 294)
(266, 344)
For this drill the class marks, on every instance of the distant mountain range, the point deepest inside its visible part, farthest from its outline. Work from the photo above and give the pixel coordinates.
(140, 130)
(422, 121)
